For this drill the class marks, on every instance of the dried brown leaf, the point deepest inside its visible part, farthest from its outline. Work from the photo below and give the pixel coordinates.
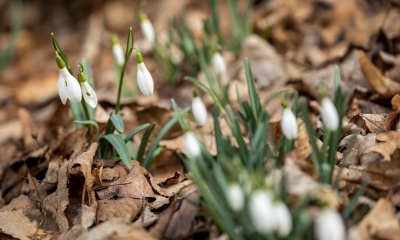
(125, 208)
(133, 185)
(380, 223)
(393, 121)
(369, 122)
(395, 102)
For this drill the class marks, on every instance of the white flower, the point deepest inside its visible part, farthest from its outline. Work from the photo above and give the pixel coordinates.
(289, 124)
(329, 114)
(191, 145)
(284, 226)
(329, 225)
(68, 87)
(262, 212)
(218, 63)
(145, 81)
(235, 197)
(89, 94)
(118, 53)
(148, 30)
(199, 111)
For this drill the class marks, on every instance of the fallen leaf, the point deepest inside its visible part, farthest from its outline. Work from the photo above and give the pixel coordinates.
(380, 223)
(147, 218)
(395, 102)
(369, 122)
(125, 208)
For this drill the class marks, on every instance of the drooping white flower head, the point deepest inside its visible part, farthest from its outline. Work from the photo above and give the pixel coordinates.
(235, 197)
(198, 108)
(68, 86)
(88, 94)
(289, 123)
(262, 212)
(329, 225)
(117, 50)
(284, 219)
(191, 145)
(330, 116)
(218, 63)
(144, 79)
(147, 28)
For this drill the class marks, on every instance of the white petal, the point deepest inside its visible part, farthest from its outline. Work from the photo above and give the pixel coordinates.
(329, 114)
(144, 79)
(218, 63)
(199, 111)
(235, 197)
(329, 225)
(262, 213)
(62, 88)
(148, 30)
(289, 124)
(118, 53)
(284, 220)
(89, 95)
(74, 88)
(191, 145)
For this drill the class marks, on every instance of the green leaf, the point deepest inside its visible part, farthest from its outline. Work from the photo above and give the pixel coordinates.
(136, 131)
(254, 99)
(353, 202)
(149, 157)
(337, 80)
(119, 145)
(91, 122)
(144, 141)
(115, 121)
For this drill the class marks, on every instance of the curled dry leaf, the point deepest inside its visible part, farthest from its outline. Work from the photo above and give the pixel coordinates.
(39, 193)
(386, 145)
(369, 122)
(146, 219)
(133, 185)
(170, 186)
(84, 161)
(125, 208)
(393, 121)
(164, 219)
(380, 223)
(385, 87)
(159, 202)
(395, 102)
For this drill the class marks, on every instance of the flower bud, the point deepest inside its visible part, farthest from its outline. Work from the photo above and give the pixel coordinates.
(147, 28)
(284, 217)
(329, 114)
(117, 50)
(289, 124)
(68, 86)
(329, 225)
(218, 63)
(262, 212)
(199, 110)
(235, 197)
(144, 79)
(191, 145)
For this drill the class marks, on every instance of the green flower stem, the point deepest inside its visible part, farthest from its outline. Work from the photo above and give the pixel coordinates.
(117, 106)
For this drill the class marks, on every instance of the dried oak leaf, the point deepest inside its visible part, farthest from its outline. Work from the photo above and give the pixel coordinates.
(369, 122)
(55, 204)
(133, 185)
(114, 229)
(395, 102)
(386, 145)
(385, 87)
(125, 208)
(380, 223)
(392, 121)
(84, 161)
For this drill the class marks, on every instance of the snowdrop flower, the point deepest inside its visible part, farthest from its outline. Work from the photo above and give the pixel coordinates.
(191, 145)
(288, 123)
(284, 219)
(88, 94)
(117, 50)
(145, 81)
(218, 63)
(235, 197)
(198, 108)
(329, 225)
(329, 114)
(262, 212)
(68, 87)
(147, 28)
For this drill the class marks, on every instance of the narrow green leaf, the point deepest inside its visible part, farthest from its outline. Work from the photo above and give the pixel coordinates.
(119, 145)
(136, 131)
(254, 99)
(349, 208)
(337, 79)
(144, 141)
(115, 122)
